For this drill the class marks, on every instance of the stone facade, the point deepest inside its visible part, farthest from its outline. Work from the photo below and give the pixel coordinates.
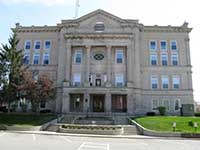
(102, 63)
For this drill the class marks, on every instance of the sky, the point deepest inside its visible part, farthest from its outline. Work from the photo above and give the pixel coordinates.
(148, 12)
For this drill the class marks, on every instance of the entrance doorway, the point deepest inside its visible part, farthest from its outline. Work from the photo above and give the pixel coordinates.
(97, 102)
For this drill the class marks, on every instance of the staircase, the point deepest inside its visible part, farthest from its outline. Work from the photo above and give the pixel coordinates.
(130, 130)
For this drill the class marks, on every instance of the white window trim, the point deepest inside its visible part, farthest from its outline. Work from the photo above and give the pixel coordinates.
(150, 45)
(152, 104)
(78, 52)
(45, 45)
(162, 59)
(27, 54)
(35, 44)
(165, 76)
(171, 45)
(102, 23)
(161, 46)
(45, 54)
(154, 76)
(172, 58)
(176, 76)
(121, 75)
(25, 44)
(156, 59)
(36, 54)
(121, 51)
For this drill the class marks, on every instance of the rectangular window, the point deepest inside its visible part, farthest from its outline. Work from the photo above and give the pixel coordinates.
(165, 82)
(155, 104)
(166, 104)
(37, 45)
(119, 80)
(153, 59)
(164, 59)
(46, 59)
(36, 59)
(174, 58)
(27, 45)
(163, 45)
(152, 45)
(78, 57)
(177, 104)
(47, 45)
(176, 82)
(154, 82)
(26, 59)
(119, 56)
(173, 45)
(77, 79)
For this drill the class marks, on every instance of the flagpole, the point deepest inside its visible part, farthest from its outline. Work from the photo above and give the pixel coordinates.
(76, 9)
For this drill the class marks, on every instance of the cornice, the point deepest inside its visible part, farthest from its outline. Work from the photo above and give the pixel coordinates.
(166, 29)
(98, 35)
(21, 29)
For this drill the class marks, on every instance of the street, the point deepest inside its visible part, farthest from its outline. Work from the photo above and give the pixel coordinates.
(16, 141)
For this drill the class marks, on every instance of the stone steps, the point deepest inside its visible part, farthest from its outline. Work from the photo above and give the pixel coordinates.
(130, 130)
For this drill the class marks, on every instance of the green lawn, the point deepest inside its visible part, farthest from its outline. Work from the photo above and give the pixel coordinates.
(159, 123)
(25, 119)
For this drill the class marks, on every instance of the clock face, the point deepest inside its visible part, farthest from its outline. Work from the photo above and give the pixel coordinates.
(98, 56)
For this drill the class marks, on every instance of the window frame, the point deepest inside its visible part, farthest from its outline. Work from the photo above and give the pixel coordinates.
(177, 56)
(45, 44)
(36, 54)
(176, 77)
(25, 42)
(154, 77)
(156, 46)
(120, 52)
(46, 54)
(152, 59)
(76, 53)
(171, 45)
(162, 54)
(121, 77)
(26, 54)
(96, 27)
(161, 45)
(179, 104)
(162, 81)
(35, 43)
(75, 77)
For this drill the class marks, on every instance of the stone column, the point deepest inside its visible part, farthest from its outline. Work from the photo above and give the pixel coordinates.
(109, 67)
(130, 103)
(108, 103)
(87, 65)
(68, 65)
(86, 102)
(65, 102)
(129, 66)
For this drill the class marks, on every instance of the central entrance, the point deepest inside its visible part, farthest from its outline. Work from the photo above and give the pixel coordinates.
(97, 102)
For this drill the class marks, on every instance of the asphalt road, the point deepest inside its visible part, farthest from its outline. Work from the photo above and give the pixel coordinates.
(16, 141)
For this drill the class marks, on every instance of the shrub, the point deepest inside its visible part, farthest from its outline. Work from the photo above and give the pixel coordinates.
(151, 113)
(197, 114)
(162, 110)
(190, 123)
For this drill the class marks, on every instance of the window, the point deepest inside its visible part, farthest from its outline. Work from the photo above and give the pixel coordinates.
(176, 82)
(174, 59)
(77, 79)
(46, 59)
(99, 27)
(47, 45)
(153, 59)
(154, 82)
(119, 56)
(177, 104)
(119, 80)
(78, 57)
(166, 104)
(163, 45)
(165, 82)
(26, 59)
(173, 45)
(152, 45)
(36, 59)
(27, 45)
(37, 45)
(43, 104)
(164, 59)
(155, 104)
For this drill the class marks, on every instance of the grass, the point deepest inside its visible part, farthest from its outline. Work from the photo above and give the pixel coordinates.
(164, 123)
(25, 119)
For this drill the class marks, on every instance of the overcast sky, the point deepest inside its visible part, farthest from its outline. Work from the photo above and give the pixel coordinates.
(149, 12)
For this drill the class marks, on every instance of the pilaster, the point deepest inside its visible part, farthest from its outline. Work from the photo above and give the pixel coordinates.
(108, 102)
(109, 67)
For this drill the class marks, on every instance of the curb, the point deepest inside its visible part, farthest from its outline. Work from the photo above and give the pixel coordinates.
(84, 135)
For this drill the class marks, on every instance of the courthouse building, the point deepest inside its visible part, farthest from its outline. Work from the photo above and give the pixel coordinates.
(103, 63)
